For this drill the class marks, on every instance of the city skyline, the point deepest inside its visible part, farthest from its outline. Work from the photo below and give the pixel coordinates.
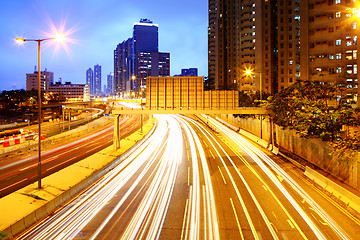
(93, 36)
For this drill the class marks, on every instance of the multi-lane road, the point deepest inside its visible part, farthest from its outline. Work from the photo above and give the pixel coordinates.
(186, 181)
(19, 171)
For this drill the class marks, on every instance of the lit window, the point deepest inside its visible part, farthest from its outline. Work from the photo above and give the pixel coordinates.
(331, 56)
(338, 14)
(338, 42)
(338, 56)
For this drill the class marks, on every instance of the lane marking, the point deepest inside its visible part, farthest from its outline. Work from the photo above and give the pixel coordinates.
(237, 219)
(184, 220)
(222, 174)
(290, 223)
(188, 176)
(212, 154)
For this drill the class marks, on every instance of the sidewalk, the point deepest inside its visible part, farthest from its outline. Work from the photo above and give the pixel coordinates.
(28, 205)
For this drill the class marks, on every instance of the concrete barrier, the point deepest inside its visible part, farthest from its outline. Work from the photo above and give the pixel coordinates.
(341, 193)
(41, 213)
(344, 195)
(16, 228)
(50, 207)
(29, 219)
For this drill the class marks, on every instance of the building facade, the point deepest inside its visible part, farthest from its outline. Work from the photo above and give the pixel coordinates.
(153, 64)
(189, 72)
(32, 81)
(123, 66)
(90, 80)
(72, 92)
(329, 45)
(137, 58)
(110, 84)
(259, 35)
(97, 80)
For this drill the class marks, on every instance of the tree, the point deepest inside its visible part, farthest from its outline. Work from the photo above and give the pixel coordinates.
(315, 109)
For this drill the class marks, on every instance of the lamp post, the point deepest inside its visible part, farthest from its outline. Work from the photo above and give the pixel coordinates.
(250, 72)
(22, 40)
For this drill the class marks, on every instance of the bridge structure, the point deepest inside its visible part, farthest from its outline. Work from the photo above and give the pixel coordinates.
(184, 95)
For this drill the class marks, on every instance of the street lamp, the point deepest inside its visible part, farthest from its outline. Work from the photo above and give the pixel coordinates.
(250, 72)
(58, 37)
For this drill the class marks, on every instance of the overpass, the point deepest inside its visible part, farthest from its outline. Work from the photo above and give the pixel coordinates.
(240, 110)
(184, 95)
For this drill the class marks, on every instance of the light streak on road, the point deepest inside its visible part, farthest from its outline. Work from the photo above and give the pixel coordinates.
(133, 199)
(261, 158)
(156, 162)
(211, 225)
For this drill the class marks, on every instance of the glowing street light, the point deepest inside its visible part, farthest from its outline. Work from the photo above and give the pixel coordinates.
(249, 72)
(58, 37)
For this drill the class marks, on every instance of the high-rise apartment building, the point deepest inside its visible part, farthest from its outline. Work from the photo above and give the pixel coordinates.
(110, 84)
(253, 34)
(329, 47)
(32, 80)
(153, 64)
(123, 66)
(138, 57)
(97, 80)
(90, 80)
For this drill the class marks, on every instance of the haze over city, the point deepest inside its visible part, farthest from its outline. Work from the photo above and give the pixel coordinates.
(94, 28)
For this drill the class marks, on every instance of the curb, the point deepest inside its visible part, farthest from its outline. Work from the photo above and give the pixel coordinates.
(344, 195)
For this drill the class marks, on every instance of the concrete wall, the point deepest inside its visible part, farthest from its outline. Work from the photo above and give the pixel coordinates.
(251, 125)
(338, 163)
(341, 164)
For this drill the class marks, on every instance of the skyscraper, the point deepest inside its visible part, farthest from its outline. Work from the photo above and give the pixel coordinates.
(253, 34)
(138, 57)
(122, 66)
(90, 80)
(145, 39)
(97, 80)
(110, 84)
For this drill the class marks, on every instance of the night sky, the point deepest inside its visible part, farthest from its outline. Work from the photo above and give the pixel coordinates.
(93, 29)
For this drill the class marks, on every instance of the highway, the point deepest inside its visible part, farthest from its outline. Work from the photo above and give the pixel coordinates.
(186, 181)
(21, 170)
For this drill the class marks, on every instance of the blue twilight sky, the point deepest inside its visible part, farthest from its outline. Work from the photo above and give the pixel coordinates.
(94, 28)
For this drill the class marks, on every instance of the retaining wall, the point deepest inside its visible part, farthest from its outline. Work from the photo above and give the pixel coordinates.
(338, 163)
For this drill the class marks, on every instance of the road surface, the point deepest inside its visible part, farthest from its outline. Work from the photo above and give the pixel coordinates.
(19, 171)
(187, 181)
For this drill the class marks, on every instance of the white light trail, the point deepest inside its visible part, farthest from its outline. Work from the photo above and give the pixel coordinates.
(261, 158)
